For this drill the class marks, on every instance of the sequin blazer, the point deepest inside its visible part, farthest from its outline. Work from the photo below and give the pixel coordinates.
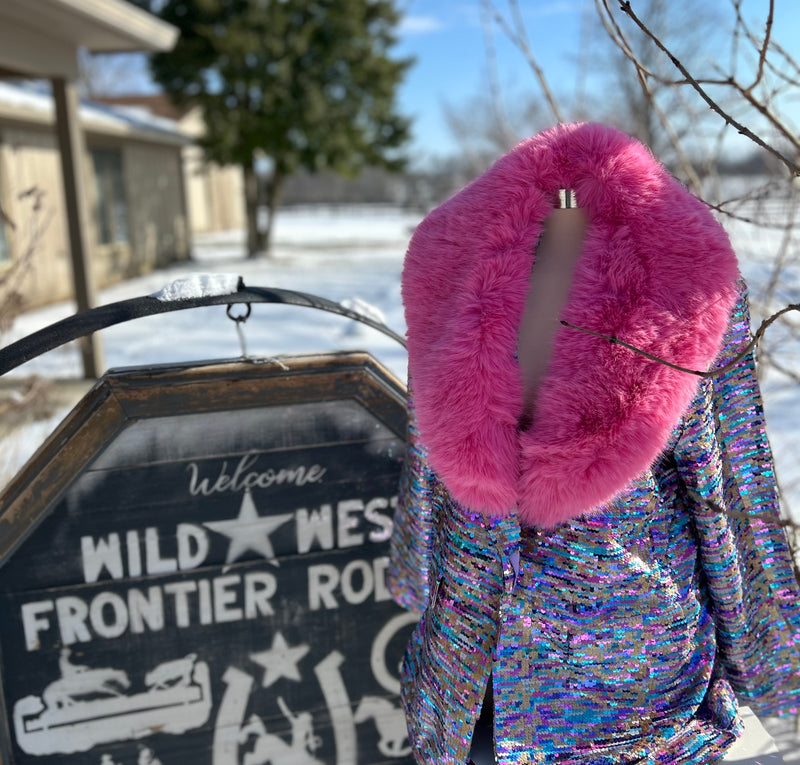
(618, 572)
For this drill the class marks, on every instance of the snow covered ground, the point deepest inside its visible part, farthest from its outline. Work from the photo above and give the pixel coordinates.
(756, 248)
(344, 255)
(353, 255)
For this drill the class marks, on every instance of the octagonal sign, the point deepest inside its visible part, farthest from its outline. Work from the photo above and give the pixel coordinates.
(192, 569)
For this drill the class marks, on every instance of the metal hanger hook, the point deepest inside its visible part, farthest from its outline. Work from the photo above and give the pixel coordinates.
(241, 317)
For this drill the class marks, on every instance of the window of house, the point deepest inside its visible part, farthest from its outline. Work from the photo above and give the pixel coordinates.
(5, 253)
(111, 210)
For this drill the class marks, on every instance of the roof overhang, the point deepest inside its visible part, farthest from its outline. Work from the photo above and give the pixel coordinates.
(41, 39)
(97, 120)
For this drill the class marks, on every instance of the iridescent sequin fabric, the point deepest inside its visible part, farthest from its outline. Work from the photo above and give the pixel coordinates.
(620, 637)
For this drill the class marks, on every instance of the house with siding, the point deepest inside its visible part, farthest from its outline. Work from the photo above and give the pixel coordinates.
(136, 197)
(214, 193)
(40, 41)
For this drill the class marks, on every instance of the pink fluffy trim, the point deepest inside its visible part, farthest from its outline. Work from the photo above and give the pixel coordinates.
(657, 271)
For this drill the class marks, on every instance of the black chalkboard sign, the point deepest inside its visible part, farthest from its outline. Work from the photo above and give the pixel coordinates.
(193, 570)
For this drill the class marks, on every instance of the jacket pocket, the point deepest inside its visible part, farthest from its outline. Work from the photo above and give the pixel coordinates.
(632, 648)
(607, 657)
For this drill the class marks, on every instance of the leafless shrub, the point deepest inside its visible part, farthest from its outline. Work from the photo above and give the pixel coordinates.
(30, 399)
(12, 300)
(696, 110)
(26, 401)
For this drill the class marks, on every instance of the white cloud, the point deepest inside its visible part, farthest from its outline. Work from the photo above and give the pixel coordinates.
(419, 25)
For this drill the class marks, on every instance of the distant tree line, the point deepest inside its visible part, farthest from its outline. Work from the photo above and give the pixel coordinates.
(423, 189)
(414, 189)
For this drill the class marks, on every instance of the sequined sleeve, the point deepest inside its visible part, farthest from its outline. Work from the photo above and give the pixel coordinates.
(412, 537)
(726, 463)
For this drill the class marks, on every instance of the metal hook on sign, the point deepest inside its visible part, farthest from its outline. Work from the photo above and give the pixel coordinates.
(238, 320)
(241, 317)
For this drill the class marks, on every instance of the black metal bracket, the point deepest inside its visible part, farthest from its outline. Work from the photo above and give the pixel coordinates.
(79, 325)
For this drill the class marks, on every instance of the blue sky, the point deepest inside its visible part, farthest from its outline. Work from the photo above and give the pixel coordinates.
(448, 40)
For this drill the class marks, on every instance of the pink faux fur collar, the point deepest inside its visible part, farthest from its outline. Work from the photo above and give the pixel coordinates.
(657, 271)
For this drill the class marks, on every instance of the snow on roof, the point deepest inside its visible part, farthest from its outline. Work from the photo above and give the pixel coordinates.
(34, 100)
(154, 103)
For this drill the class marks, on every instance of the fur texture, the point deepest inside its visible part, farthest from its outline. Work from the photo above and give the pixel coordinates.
(656, 271)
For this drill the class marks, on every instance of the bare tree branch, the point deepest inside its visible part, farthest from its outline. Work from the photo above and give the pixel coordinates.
(625, 6)
(644, 75)
(697, 372)
(762, 54)
(518, 36)
(507, 136)
(778, 366)
(11, 300)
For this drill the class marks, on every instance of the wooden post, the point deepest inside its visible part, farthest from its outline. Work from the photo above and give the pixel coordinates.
(72, 151)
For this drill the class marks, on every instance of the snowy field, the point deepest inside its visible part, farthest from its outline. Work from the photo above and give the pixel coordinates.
(352, 255)
(346, 254)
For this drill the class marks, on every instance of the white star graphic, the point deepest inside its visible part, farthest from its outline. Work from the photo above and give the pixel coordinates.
(248, 531)
(280, 660)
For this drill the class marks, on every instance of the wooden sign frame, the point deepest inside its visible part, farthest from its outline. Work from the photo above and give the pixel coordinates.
(129, 396)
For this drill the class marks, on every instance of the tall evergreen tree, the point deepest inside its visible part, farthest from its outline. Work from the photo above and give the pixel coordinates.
(299, 83)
